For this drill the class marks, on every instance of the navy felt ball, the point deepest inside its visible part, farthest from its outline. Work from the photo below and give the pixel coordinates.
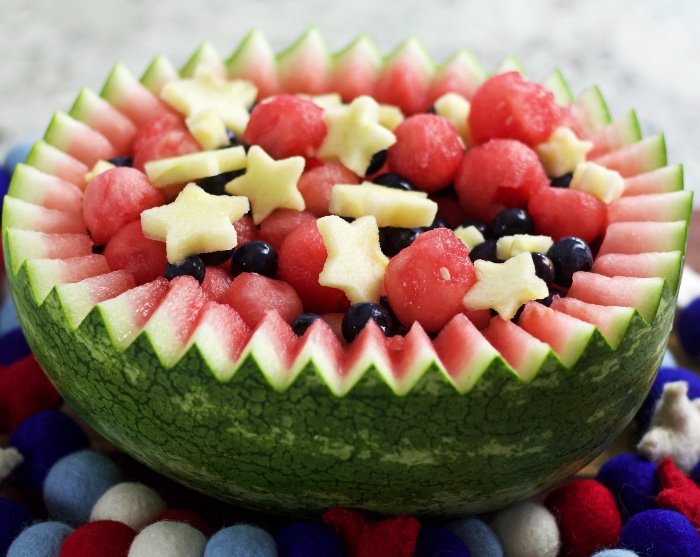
(43, 439)
(44, 539)
(303, 539)
(660, 533)
(688, 328)
(633, 482)
(436, 541)
(666, 375)
(13, 347)
(14, 517)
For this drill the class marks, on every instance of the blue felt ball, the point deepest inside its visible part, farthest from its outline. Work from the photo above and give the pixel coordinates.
(477, 536)
(660, 533)
(669, 360)
(13, 347)
(241, 540)
(688, 328)
(4, 183)
(438, 541)
(17, 154)
(666, 375)
(8, 317)
(633, 482)
(43, 439)
(305, 538)
(40, 540)
(76, 482)
(615, 553)
(14, 517)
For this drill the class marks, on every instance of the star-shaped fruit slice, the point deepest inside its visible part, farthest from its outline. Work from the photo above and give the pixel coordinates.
(194, 166)
(355, 134)
(355, 262)
(269, 184)
(196, 222)
(561, 153)
(505, 286)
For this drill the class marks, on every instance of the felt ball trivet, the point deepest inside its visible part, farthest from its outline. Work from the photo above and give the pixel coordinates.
(106, 538)
(14, 517)
(632, 480)
(241, 540)
(660, 533)
(309, 538)
(168, 539)
(438, 541)
(477, 536)
(40, 540)
(134, 504)
(527, 529)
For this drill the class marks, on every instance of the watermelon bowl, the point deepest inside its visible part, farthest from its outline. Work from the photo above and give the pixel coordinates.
(463, 421)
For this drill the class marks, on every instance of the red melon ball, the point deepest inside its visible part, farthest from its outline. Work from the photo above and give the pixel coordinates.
(509, 106)
(246, 231)
(115, 198)
(157, 126)
(561, 212)
(280, 223)
(427, 151)
(316, 185)
(129, 249)
(499, 174)
(426, 281)
(172, 143)
(216, 283)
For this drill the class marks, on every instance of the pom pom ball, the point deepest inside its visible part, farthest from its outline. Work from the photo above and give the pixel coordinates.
(666, 375)
(134, 504)
(660, 533)
(241, 540)
(13, 347)
(688, 328)
(527, 529)
(106, 538)
(168, 539)
(14, 517)
(43, 439)
(18, 154)
(303, 539)
(76, 482)
(40, 540)
(615, 553)
(633, 482)
(477, 536)
(186, 517)
(436, 541)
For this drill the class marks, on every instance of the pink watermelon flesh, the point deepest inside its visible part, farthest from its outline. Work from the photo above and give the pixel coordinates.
(643, 237)
(227, 326)
(404, 81)
(459, 344)
(614, 136)
(111, 123)
(316, 185)
(131, 98)
(605, 318)
(520, 349)
(143, 300)
(41, 245)
(660, 207)
(661, 180)
(80, 141)
(28, 216)
(46, 190)
(458, 75)
(354, 72)
(129, 249)
(637, 158)
(644, 265)
(48, 159)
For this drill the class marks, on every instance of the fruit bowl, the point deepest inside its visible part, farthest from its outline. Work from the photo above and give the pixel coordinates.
(459, 422)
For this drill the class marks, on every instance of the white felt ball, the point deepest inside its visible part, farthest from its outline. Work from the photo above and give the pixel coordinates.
(527, 529)
(168, 539)
(134, 504)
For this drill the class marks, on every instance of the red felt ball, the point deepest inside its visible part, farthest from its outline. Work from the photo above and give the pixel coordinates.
(106, 538)
(678, 492)
(24, 391)
(587, 515)
(193, 519)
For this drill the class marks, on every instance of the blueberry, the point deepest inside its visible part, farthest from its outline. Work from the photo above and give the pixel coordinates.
(397, 327)
(512, 221)
(393, 180)
(393, 239)
(255, 257)
(378, 160)
(562, 181)
(302, 322)
(544, 268)
(122, 160)
(98, 249)
(214, 258)
(479, 225)
(438, 222)
(192, 266)
(358, 315)
(552, 293)
(485, 250)
(215, 184)
(569, 255)
(431, 109)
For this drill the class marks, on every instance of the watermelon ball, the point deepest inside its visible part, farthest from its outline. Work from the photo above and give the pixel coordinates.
(171, 144)
(43, 439)
(392, 239)
(509, 106)
(434, 541)
(255, 257)
(357, 317)
(426, 281)
(633, 482)
(544, 268)
(106, 538)
(280, 223)
(121, 160)
(76, 482)
(688, 328)
(17, 154)
(216, 283)
(393, 180)
(115, 198)
(13, 347)
(569, 256)
(427, 151)
(561, 212)
(304, 539)
(315, 186)
(527, 529)
(156, 127)
(500, 174)
(302, 256)
(168, 539)
(191, 266)
(587, 515)
(44, 539)
(286, 126)
(134, 504)
(510, 222)
(666, 375)
(129, 249)
(14, 517)
(486, 250)
(302, 323)
(660, 533)
(477, 536)
(241, 540)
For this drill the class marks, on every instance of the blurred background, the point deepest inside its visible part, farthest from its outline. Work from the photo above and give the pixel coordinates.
(642, 53)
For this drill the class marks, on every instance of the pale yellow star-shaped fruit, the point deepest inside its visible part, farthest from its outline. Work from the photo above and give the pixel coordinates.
(196, 222)
(355, 134)
(606, 184)
(355, 262)
(561, 153)
(505, 286)
(230, 99)
(269, 184)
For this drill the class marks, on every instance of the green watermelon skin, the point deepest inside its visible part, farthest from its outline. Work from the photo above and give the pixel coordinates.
(433, 452)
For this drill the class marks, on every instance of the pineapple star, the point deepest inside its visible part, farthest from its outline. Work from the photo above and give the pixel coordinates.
(196, 222)
(505, 286)
(355, 261)
(269, 184)
(355, 135)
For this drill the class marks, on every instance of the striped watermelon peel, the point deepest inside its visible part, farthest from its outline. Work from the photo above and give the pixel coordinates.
(464, 423)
